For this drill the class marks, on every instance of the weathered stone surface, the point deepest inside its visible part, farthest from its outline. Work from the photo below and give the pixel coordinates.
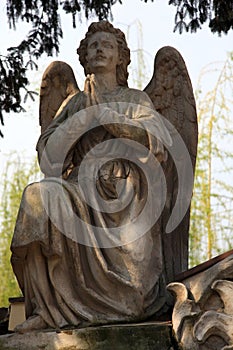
(144, 336)
(90, 243)
(203, 313)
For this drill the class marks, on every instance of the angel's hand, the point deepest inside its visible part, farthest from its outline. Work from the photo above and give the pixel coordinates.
(92, 91)
(87, 91)
(95, 92)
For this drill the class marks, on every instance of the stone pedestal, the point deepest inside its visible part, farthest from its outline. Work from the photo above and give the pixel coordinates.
(143, 336)
(17, 312)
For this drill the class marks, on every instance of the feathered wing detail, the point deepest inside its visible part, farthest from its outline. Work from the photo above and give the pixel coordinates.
(171, 92)
(58, 85)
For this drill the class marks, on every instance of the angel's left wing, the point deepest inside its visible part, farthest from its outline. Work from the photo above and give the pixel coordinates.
(58, 85)
(171, 92)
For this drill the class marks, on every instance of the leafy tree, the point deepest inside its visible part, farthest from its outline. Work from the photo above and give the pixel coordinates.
(192, 14)
(212, 209)
(43, 15)
(17, 174)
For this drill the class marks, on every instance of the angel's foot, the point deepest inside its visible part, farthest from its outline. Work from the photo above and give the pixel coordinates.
(33, 323)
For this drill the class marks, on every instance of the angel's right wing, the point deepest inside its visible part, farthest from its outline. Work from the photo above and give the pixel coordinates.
(58, 85)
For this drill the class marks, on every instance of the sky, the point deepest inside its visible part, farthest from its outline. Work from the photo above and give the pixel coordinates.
(156, 18)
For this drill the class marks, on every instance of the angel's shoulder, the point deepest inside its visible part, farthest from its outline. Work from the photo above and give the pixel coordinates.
(134, 92)
(137, 96)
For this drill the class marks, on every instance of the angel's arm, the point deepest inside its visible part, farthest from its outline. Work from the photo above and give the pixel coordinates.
(136, 120)
(120, 126)
(55, 146)
(121, 123)
(49, 146)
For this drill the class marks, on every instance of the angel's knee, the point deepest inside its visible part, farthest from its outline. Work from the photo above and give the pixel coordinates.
(32, 200)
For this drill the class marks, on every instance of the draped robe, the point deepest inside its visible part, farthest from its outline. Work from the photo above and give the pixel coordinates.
(71, 265)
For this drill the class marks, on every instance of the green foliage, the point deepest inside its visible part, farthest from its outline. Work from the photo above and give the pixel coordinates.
(191, 15)
(17, 174)
(212, 210)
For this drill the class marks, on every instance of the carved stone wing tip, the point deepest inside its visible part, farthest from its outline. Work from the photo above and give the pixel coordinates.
(58, 85)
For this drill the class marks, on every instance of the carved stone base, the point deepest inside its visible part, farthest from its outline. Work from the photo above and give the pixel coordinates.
(203, 313)
(143, 336)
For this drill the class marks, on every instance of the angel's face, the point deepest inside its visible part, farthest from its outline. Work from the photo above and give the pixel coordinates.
(102, 53)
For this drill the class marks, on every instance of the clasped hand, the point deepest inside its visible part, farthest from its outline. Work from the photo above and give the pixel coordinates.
(91, 91)
(94, 98)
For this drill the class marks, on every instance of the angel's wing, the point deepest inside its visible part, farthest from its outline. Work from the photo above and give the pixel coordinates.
(171, 92)
(58, 85)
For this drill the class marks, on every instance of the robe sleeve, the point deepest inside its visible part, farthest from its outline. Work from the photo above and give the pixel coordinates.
(56, 143)
(139, 122)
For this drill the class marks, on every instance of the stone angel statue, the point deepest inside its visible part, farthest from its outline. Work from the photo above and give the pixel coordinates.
(97, 240)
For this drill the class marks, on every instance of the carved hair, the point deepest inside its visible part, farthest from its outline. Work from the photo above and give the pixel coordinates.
(124, 52)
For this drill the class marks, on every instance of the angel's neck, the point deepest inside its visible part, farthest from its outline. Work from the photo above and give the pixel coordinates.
(106, 82)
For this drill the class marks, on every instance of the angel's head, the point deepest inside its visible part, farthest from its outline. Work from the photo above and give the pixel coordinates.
(123, 50)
